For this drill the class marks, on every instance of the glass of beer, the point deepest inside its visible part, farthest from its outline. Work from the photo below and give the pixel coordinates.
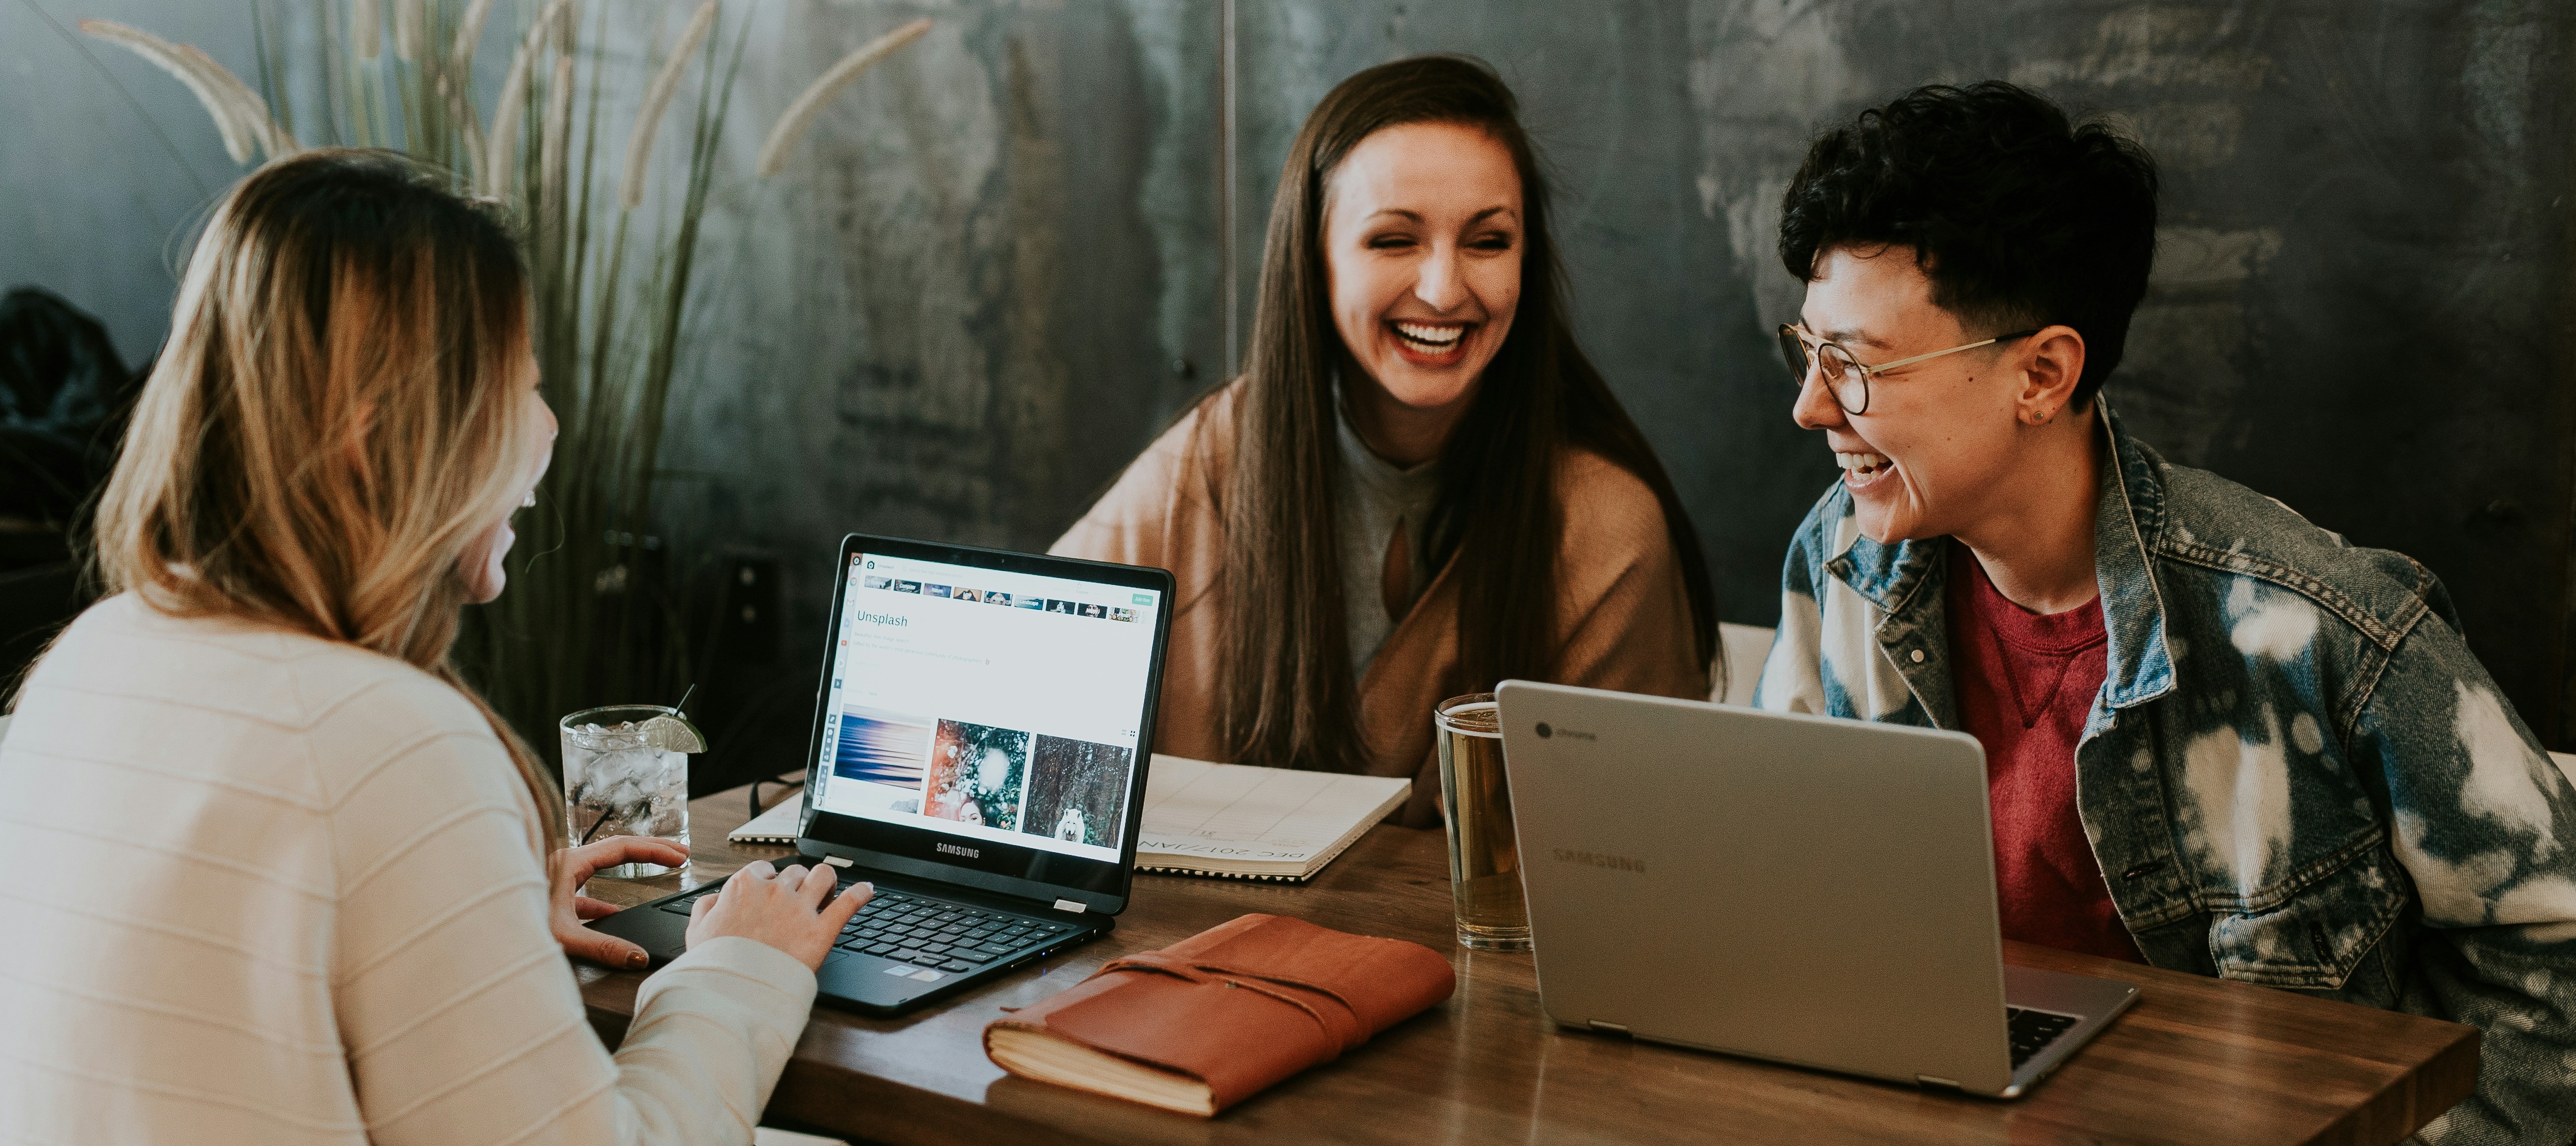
(1484, 851)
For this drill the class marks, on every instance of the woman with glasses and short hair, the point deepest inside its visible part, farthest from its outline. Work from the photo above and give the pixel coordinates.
(2218, 739)
(1419, 486)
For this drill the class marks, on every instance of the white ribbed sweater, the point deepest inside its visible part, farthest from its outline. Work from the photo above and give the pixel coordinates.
(267, 889)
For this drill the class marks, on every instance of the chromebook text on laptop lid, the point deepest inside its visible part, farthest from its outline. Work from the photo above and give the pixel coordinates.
(987, 719)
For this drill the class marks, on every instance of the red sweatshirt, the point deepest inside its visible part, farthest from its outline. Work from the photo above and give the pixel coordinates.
(2024, 684)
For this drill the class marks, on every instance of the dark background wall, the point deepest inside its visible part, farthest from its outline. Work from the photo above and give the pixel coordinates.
(2360, 304)
(1005, 258)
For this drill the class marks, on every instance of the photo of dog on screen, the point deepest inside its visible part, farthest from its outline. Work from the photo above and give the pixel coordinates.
(1077, 790)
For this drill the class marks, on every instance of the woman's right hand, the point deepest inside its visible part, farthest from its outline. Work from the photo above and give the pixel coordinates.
(785, 910)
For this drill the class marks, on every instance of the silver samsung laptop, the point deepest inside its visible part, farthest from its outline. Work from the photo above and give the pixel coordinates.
(1807, 890)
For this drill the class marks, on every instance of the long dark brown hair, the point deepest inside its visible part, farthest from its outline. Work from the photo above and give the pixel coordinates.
(1287, 696)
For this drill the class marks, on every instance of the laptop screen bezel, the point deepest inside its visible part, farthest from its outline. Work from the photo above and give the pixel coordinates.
(1030, 873)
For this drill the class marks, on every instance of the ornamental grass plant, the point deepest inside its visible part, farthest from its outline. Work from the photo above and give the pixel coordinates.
(591, 616)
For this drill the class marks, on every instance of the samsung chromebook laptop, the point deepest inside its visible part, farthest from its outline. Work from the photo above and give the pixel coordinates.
(1796, 888)
(981, 732)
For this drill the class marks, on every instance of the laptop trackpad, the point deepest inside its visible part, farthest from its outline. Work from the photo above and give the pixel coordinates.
(874, 981)
(662, 934)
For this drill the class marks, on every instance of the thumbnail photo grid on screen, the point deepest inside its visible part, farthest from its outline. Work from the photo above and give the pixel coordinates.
(1002, 778)
(975, 596)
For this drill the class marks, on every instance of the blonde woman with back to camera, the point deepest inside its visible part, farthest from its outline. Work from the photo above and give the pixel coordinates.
(278, 875)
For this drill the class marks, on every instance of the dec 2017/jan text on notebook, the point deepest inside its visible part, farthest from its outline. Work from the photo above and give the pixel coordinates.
(1255, 823)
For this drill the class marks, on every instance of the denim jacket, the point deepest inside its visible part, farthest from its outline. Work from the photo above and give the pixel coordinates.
(2295, 773)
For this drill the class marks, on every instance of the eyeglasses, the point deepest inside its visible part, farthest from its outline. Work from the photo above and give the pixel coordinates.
(1844, 375)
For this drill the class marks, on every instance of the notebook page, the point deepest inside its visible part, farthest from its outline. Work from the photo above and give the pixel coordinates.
(1198, 810)
(777, 825)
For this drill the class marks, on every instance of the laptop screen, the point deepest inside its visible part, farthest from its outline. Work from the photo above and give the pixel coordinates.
(997, 709)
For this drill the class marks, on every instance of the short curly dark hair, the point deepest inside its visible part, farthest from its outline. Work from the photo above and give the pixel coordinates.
(2020, 218)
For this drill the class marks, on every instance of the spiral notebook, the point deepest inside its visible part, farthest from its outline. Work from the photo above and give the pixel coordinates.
(778, 825)
(1240, 821)
(1233, 820)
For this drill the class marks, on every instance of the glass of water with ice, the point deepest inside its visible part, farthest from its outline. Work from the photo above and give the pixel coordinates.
(626, 773)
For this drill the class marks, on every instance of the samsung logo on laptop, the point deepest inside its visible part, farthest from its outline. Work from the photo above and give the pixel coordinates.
(958, 850)
(1594, 859)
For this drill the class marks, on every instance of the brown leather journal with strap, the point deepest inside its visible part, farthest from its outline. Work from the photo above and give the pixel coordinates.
(1209, 1021)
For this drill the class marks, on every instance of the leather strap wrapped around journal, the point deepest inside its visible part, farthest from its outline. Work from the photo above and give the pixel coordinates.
(1211, 1020)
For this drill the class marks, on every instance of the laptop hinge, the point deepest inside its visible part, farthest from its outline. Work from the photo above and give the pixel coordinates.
(1928, 1080)
(837, 861)
(1612, 1028)
(1069, 905)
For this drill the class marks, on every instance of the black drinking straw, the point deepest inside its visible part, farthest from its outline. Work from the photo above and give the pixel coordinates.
(603, 815)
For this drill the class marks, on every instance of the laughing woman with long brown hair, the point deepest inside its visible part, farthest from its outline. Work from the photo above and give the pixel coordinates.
(1419, 486)
(276, 874)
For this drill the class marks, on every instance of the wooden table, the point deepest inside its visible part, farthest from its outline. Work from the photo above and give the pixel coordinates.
(2197, 1061)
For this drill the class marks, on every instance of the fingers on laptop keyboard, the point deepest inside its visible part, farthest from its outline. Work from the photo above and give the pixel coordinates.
(945, 936)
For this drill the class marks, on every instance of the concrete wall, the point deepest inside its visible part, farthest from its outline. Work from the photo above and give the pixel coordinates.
(2360, 304)
(94, 193)
(962, 309)
(1000, 261)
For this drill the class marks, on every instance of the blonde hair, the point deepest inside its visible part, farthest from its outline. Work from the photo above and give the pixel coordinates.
(335, 419)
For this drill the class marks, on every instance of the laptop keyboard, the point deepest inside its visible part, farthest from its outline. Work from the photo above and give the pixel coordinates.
(2032, 1031)
(931, 932)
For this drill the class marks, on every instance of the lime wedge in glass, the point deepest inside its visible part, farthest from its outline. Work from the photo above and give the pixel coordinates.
(673, 734)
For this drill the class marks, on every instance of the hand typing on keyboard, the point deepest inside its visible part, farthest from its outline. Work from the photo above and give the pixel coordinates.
(944, 936)
(787, 910)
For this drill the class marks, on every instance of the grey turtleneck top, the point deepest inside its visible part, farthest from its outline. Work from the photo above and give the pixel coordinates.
(1370, 503)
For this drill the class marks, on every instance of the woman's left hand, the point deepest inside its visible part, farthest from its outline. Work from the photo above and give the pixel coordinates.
(572, 867)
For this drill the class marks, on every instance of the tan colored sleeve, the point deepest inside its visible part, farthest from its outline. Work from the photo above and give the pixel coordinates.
(1135, 522)
(1123, 526)
(1625, 613)
(1621, 605)
(1633, 636)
